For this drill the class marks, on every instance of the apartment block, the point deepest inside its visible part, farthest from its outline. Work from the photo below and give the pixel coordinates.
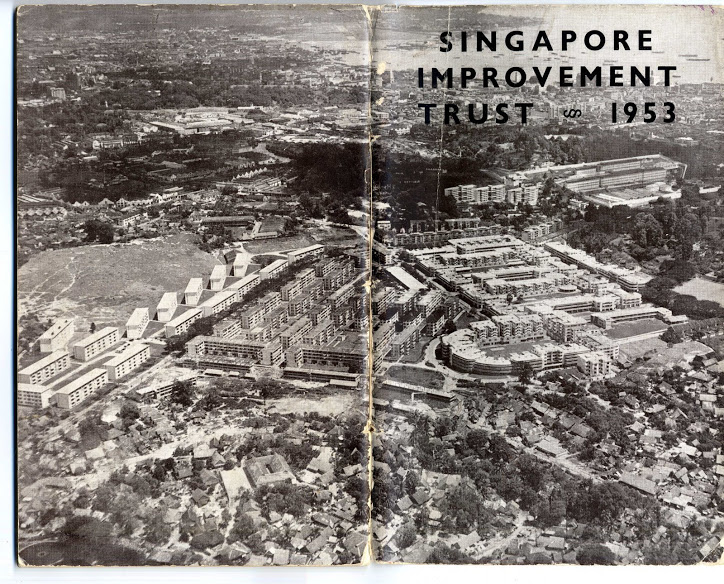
(96, 343)
(405, 341)
(252, 316)
(320, 334)
(270, 354)
(137, 324)
(238, 270)
(297, 286)
(219, 302)
(181, 323)
(382, 299)
(383, 337)
(45, 368)
(276, 268)
(34, 396)
(562, 326)
(595, 364)
(218, 277)
(244, 285)
(130, 359)
(300, 305)
(227, 328)
(606, 320)
(57, 337)
(295, 333)
(306, 252)
(192, 294)
(77, 391)
(320, 313)
(348, 354)
(597, 341)
(167, 306)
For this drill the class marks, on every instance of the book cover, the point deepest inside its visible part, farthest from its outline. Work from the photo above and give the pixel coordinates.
(325, 285)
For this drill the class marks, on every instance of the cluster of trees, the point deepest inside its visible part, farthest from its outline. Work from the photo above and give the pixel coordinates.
(665, 228)
(659, 291)
(484, 145)
(545, 491)
(93, 430)
(129, 413)
(100, 231)
(183, 393)
(30, 328)
(491, 465)
(284, 498)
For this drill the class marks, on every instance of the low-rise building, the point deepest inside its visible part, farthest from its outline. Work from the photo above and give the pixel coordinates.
(267, 470)
(608, 319)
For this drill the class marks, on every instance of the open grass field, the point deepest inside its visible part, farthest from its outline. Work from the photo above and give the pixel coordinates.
(416, 376)
(638, 349)
(278, 244)
(104, 283)
(632, 329)
(703, 289)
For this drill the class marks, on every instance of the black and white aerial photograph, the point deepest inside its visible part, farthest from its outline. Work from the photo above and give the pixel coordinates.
(342, 284)
(192, 252)
(548, 285)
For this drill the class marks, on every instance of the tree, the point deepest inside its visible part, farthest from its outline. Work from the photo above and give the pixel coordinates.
(129, 413)
(182, 393)
(103, 498)
(338, 214)
(176, 343)
(594, 555)
(203, 326)
(87, 528)
(647, 231)
(406, 535)
(698, 363)
(671, 337)
(526, 373)
(477, 439)
(97, 230)
(93, 327)
(270, 388)
(242, 529)
(442, 554)
(157, 530)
